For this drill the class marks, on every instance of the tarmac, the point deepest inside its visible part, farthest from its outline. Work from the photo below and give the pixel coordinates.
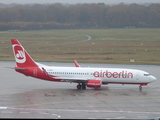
(27, 97)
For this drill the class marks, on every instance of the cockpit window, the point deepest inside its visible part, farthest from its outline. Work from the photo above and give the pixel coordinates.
(146, 74)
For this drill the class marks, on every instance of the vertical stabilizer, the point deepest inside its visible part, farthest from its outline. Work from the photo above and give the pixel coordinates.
(22, 58)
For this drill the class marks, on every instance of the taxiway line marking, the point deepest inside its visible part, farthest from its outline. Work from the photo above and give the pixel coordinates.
(83, 110)
(3, 107)
(83, 101)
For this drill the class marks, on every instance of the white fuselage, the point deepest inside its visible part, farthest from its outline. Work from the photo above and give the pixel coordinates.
(107, 75)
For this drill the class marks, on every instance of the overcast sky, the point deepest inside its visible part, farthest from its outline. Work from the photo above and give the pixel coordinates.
(78, 1)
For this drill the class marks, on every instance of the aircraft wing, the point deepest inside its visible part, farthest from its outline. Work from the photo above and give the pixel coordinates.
(68, 79)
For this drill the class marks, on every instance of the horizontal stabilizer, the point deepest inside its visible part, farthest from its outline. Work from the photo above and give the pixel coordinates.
(20, 68)
(45, 71)
(10, 67)
(16, 68)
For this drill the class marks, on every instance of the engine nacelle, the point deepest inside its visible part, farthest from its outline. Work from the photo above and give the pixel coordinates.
(94, 83)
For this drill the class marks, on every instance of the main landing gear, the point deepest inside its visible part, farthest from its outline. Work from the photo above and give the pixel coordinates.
(81, 85)
(140, 87)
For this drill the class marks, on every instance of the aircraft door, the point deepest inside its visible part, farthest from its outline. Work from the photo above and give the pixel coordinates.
(35, 72)
(137, 76)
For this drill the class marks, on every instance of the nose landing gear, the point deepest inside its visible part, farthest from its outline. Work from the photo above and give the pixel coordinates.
(140, 87)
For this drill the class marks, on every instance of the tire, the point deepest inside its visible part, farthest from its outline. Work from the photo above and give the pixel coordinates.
(79, 87)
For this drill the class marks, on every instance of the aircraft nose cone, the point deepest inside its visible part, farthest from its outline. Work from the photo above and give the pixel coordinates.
(153, 78)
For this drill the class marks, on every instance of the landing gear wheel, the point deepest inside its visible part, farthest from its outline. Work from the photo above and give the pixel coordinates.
(79, 87)
(140, 87)
(83, 87)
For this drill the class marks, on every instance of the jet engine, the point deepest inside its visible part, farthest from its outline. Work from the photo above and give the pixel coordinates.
(94, 83)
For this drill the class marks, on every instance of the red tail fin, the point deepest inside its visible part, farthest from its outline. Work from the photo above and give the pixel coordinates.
(23, 59)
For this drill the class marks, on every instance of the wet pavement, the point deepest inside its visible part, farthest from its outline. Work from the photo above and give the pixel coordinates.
(26, 97)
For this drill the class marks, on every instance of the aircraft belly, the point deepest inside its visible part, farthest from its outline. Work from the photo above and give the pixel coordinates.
(118, 80)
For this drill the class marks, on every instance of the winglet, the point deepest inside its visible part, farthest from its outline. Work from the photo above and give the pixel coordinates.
(76, 63)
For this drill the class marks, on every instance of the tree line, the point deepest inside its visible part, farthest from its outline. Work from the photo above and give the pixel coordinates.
(60, 16)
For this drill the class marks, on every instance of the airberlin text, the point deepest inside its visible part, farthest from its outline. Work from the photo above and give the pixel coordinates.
(108, 74)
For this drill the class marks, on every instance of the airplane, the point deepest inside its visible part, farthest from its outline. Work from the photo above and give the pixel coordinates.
(84, 76)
